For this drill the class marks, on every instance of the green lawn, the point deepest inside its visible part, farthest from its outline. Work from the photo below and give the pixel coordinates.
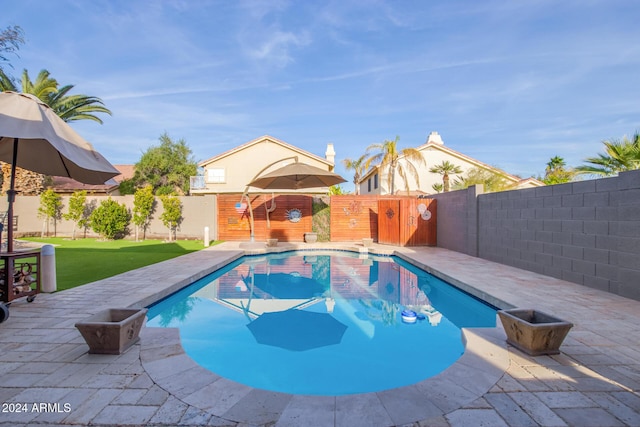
(83, 261)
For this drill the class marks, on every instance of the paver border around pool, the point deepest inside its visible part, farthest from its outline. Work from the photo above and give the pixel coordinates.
(595, 380)
(483, 363)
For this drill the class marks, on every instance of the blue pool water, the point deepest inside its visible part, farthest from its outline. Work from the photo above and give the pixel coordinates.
(322, 323)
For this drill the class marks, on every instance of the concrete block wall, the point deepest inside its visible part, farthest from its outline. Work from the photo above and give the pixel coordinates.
(458, 220)
(584, 232)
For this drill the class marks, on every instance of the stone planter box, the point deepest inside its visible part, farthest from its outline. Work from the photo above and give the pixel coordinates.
(534, 332)
(112, 331)
(310, 237)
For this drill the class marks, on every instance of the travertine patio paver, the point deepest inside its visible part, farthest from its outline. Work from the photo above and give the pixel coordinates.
(593, 382)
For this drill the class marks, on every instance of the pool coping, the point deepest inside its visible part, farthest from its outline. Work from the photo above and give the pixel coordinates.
(483, 363)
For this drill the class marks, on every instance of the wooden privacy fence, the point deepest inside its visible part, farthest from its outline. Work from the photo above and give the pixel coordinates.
(403, 221)
(407, 221)
(354, 218)
(282, 217)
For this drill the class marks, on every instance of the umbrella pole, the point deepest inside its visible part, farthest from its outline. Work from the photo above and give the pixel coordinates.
(251, 222)
(245, 193)
(11, 197)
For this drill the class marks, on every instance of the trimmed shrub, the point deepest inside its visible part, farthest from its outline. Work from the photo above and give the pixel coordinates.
(110, 220)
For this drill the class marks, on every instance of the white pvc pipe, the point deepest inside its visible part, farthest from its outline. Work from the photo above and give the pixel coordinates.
(48, 266)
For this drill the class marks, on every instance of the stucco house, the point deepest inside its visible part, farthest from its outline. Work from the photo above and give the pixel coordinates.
(434, 152)
(231, 171)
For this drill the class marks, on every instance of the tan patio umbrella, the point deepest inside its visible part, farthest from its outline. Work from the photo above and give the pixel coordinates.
(294, 176)
(33, 137)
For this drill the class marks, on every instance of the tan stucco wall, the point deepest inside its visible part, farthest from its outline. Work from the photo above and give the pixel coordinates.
(198, 212)
(242, 166)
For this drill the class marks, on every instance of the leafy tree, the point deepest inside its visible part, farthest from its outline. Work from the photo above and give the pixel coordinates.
(127, 186)
(359, 166)
(172, 215)
(556, 172)
(445, 169)
(491, 181)
(143, 206)
(110, 220)
(620, 155)
(336, 190)
(166, 167)
(77, 210)
(50, 209)
(69, 107)
(10, 40)
(389, 155)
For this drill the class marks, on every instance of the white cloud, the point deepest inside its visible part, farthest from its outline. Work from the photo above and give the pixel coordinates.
(275, 47)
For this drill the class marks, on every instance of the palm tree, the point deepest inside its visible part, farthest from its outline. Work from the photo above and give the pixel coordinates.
(76, 107)
(619, 156)
(555, 163)
(389, 155)
(41, 88)
(555, 172)
(445, 169)
(437, 187)
(358, 166)
(68, 107)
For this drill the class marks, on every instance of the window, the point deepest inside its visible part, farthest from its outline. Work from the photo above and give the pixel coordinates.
(215, 175)
(369, 185)
(375, 181)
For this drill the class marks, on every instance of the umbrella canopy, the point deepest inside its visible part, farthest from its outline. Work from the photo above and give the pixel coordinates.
(33, 137)
(296, 176)
(48, 145)
(297, 330)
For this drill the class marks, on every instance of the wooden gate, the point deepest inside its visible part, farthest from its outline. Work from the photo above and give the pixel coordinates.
(389, 221)
(407, 222)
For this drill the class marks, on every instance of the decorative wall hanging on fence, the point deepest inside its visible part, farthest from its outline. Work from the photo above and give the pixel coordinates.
(294, 215)
(425, 213)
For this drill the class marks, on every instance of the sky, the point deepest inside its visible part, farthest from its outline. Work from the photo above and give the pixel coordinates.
(509, 83)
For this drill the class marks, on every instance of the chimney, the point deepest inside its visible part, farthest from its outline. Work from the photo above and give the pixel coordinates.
(435, 138)
(330, 154)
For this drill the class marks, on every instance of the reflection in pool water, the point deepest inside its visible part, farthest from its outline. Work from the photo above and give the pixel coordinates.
(321, 323)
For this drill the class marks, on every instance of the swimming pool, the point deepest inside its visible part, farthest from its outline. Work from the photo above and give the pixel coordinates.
(322, 323)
